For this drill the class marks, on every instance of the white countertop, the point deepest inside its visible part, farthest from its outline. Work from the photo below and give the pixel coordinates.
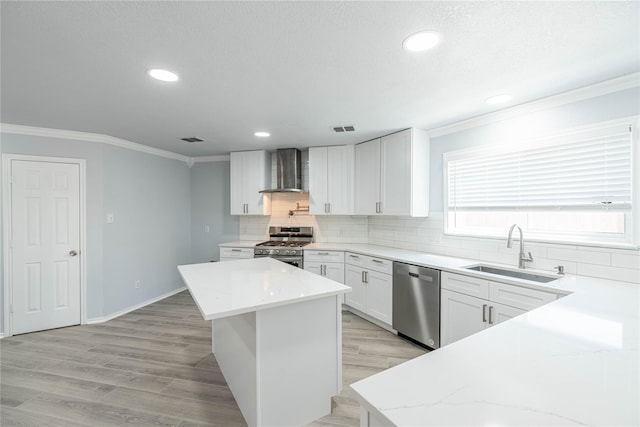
(223, 289)
(574, 361)
(241, 243)
(571, 362)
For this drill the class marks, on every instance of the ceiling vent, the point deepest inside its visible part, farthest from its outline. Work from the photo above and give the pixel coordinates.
(192, 139)
(348, 128)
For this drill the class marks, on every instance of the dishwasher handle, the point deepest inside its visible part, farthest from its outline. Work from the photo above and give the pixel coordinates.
(420, 276)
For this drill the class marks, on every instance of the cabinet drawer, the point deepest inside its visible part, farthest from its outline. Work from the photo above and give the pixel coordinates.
(519, 297)
(236, 253)
(465, 285)
(323, 256)
(355, 259)
(379, 264)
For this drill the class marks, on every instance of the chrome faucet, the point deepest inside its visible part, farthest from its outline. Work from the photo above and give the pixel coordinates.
(522, 258)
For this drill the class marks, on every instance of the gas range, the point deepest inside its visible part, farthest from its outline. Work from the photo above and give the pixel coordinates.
(285, 244)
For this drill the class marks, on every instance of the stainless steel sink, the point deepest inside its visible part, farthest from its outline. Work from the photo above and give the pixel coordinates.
(511, 273)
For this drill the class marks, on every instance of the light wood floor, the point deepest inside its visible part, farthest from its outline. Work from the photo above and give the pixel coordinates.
(154, 367)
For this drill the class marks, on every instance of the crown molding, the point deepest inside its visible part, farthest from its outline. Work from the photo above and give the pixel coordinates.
(90, 137)
(202, 159)
(609, 86)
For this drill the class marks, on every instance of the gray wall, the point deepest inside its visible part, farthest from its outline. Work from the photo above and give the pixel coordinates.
(210, 206)
(150, 197)
(589, 111)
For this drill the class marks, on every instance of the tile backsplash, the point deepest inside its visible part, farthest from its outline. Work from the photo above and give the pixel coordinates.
(427, 235)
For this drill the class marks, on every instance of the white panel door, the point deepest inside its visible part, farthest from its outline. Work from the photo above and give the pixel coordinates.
(318, 181)
(254, 181)
(461, 316)
(357, 298)
(501, 313)
(340, 174)
(395, 179)
(236, 178)
(334, 271)
(367, 177)
(379, 296)
(45, 251)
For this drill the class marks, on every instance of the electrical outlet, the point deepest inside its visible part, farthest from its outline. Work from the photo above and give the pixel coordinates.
(110, 218)
(138, 283)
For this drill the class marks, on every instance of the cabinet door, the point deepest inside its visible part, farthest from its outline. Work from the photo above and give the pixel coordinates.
(340, 176)
(500, 313)
(318, 181)
(237, 183)
(367, 177)
(334, 271)
(256, 172)
(314, 267)
(379, 296)
(395, 173)
(358, 296)
(461, 316)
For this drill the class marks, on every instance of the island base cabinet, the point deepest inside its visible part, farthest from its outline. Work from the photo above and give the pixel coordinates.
(274, 387)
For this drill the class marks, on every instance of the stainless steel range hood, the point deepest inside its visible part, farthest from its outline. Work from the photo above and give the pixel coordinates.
(289, 172)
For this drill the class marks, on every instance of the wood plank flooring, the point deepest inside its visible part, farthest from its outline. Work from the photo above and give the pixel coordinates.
(154, 367)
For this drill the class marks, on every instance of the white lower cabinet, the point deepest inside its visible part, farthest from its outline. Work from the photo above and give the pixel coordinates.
(462, 314)
(230, 254)
(371, 285)
(329, 264)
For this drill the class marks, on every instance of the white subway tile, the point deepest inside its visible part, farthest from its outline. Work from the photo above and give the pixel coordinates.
(580, 256)
(608, 272)
(626, 260)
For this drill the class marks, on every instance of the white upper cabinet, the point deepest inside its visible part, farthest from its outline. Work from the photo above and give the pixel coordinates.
(331, 174)
(250, 173)
(392, 175)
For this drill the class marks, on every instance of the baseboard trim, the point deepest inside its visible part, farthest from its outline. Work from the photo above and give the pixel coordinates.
(134, 307)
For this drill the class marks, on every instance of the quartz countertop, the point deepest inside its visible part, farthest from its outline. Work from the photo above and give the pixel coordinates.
(222, 289)
(240, 244)
(574, 361)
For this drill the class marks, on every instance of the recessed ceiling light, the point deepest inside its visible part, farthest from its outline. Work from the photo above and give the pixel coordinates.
(262, 134)
(421, 41)
(163, 75)
(498, 99)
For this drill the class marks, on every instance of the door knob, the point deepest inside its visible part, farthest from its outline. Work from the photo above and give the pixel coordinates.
(73, 253)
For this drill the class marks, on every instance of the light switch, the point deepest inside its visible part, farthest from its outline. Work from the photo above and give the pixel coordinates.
(206, 229)
(109, 218)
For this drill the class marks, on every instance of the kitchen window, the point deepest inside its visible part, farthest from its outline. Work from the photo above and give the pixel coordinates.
(575, 187)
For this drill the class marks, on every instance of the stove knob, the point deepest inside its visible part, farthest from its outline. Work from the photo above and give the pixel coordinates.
(276, 251)
(286, 252)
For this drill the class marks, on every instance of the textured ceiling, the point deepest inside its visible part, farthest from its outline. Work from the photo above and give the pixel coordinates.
(295, 68)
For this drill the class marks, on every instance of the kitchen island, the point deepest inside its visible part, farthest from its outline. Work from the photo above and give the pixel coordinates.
(277, 336)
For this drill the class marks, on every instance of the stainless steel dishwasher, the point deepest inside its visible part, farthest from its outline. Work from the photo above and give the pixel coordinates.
(416, 303)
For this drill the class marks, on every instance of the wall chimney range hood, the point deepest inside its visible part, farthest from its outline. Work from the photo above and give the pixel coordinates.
(289, 172)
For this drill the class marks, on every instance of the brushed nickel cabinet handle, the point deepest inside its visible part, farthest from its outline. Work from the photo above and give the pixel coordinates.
(490, 313)
(484, 313)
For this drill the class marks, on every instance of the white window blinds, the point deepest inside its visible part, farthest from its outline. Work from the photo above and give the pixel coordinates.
(581, 170)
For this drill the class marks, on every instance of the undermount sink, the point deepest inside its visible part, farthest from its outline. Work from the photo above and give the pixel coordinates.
(511, 273)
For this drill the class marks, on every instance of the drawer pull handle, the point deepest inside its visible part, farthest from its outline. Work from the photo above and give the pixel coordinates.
(236, 250)
(378, 261)
(323, 253)
(354, 256)
(414, 275)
